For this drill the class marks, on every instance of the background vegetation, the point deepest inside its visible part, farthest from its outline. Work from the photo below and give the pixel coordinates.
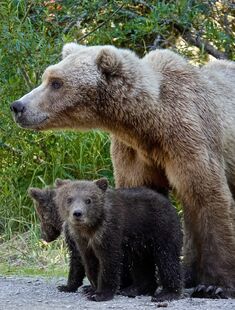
(32, 35)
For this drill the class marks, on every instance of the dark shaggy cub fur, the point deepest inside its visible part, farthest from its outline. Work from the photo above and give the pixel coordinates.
(51, 228)
(132, 227)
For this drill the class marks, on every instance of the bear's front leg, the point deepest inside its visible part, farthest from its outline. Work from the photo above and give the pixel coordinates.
(109, 271)
(76, 267)
(201, 184)
(130, 170)
(92, 270)
(76, 274)
(189, 261)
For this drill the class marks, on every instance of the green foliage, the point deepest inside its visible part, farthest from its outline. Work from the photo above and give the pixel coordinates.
(36, 159)
(32, 35)
(25, 254)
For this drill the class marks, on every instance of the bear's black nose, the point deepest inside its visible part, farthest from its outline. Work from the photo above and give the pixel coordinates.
(77, 213)
(17, 107)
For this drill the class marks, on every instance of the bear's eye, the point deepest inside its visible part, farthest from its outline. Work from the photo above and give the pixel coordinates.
(69, 200)
(88, 201)
(56, 84)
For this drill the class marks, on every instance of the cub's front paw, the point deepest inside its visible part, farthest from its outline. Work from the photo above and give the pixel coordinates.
(133, 291)
(67, 288)
(101, 296)
(165, 295)
(88, 290)
(130, 291)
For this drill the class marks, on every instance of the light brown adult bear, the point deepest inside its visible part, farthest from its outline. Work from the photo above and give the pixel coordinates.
(171, 123)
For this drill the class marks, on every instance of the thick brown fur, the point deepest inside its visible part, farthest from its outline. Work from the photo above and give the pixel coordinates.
(171, 123)
(136, 228)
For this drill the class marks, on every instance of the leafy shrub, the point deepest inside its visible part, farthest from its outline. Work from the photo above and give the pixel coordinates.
(32, 35)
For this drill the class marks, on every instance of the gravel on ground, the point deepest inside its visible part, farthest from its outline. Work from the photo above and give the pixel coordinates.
(26, 293)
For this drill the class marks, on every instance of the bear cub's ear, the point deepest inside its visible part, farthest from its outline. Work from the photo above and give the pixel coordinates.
(36, 193)
(109, 61)
(102, 183)
(60, 182)
(71, 48)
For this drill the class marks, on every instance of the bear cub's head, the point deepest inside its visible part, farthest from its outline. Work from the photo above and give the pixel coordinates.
(81, 203)
(50, 223)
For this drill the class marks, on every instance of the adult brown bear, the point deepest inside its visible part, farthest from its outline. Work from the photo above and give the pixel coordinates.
(170, 122)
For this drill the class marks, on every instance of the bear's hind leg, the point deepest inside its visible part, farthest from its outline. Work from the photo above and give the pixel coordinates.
(143, 277)
(169, 269)
(207, 202)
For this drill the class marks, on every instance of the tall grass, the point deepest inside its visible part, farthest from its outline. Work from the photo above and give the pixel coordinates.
(26, 254)
(37, 160)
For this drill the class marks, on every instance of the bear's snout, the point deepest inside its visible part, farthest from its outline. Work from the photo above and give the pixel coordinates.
(77, 214)
(27, 114)
(17, 107)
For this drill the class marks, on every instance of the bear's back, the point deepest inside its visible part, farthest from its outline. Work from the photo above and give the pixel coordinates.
(144, 212)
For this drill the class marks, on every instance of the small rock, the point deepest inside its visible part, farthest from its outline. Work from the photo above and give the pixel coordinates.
(162, 305)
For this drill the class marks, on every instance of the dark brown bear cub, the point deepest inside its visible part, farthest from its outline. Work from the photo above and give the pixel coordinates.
(51, 228)
(134, 227)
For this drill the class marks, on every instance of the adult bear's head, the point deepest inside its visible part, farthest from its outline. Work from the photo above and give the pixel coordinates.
(76, 92)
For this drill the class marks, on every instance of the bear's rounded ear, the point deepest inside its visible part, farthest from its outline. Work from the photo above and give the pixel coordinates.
(102, 183)
(109, 61)
(71, 48)
(60, 182)
(35, 193)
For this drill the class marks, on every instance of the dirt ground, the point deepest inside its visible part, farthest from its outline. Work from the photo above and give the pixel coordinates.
(27, 293)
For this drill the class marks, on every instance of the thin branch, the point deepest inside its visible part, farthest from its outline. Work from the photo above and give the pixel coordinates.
(74, 22)
(98, 27)
(69, 27)
(200, 43)
(101, 25)
(145, 3)
(197, 41)
(26, 77)
(27, 13)
(157, 42)
(130, 14)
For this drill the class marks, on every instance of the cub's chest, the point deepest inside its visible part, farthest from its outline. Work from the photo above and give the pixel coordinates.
(95, 240)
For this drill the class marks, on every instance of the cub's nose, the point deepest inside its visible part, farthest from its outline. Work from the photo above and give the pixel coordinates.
(77, 214)
(17, 107)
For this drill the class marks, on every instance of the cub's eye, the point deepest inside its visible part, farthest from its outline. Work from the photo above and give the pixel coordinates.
(88, 201)
(56, 84)
(69, 200)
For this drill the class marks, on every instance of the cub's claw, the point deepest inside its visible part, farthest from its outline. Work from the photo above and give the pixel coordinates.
(101, 297)
(165, 295)
(88, 290)
(67, 288)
